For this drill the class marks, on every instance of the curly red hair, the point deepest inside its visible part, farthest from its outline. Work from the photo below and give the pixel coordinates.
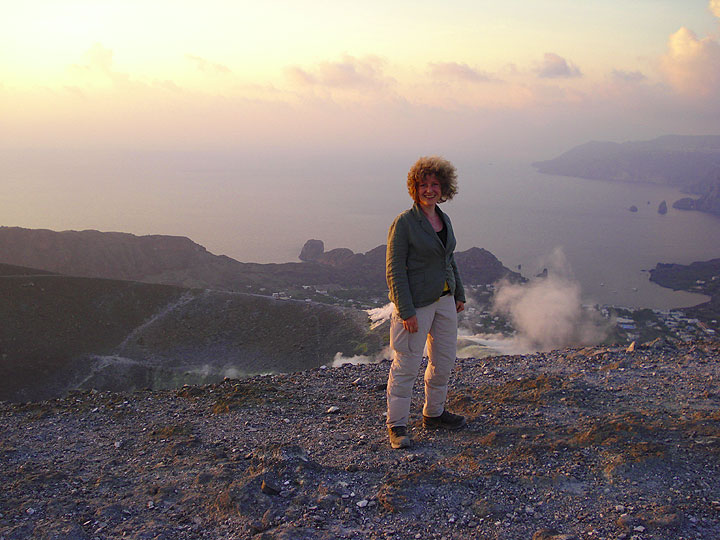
(443, 170)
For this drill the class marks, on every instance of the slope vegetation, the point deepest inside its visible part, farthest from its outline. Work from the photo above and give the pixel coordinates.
(58, 333)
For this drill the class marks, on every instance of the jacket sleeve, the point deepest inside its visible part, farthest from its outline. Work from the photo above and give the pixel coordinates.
(396, 269)
(459, 289)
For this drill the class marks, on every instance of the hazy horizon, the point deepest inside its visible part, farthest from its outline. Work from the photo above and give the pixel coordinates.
(233, 122)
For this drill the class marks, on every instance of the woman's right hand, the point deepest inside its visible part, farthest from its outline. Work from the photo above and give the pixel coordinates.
(411, 324)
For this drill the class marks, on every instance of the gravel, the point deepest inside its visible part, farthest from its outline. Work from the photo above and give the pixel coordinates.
(594, 443)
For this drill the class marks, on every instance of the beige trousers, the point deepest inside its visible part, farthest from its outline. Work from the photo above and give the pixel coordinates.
(437, 325)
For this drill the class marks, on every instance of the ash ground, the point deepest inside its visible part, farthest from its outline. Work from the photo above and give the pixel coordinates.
(594, 443)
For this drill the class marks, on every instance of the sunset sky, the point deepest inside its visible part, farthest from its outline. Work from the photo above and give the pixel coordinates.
(274, 82)
(193, 73)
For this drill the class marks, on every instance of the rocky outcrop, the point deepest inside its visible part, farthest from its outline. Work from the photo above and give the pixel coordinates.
(686, 203)
(479, 266)
(338, 257)
(312, 250)
(709, 202)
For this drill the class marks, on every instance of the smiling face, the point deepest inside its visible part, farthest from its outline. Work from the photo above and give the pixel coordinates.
(429, 192)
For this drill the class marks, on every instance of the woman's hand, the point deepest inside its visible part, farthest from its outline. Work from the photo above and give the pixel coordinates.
(411, 324)
(459, 306)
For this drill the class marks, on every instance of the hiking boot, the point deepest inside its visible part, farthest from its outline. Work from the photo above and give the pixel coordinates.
(446, 420)
(399, 437)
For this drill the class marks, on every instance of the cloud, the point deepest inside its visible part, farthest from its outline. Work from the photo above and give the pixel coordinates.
(349, 73)
(554, 66)
(98, 59)
(99, 66)
(456, 71)
(300, 77)
(715, 7)
(692, 65)
(206, 66)
(628, 76)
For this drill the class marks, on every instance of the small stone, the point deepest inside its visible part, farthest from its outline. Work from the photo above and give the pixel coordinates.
(620, 508)
(334, 409)
(363, 503)
(639, 528)
(118, 444)
(626, 521)
(269, 488)
(30, 511)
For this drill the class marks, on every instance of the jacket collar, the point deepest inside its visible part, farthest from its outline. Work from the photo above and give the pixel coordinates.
(420, 215)
(425, 222)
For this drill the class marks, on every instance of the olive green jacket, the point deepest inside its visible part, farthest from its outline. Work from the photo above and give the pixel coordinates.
(417, 265)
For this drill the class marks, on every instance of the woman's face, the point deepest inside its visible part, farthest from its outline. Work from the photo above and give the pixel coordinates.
(429, 191)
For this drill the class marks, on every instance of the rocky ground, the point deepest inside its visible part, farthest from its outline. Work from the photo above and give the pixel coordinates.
(595, 443)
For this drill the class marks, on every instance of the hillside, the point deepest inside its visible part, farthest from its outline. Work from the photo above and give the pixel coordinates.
(58, 333)
(174, 260)
(569, 445)
(690, 163)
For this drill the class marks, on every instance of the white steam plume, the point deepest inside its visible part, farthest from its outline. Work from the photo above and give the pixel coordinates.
(547, 312)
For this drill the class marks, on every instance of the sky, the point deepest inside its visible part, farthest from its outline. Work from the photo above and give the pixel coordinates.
(97, 94)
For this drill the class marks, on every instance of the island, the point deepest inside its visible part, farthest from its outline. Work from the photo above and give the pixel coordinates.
(689, 163)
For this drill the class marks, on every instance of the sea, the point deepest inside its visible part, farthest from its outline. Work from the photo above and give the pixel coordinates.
(532, 221)
(266, 212)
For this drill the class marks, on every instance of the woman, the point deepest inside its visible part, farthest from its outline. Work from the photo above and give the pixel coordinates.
(428, 294)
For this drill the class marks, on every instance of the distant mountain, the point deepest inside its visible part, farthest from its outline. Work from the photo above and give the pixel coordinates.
(163, 259)
(174, 260)
(691, 163)
(59, 333)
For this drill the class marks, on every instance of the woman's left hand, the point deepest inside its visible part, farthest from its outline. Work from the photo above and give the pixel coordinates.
(459, 306)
